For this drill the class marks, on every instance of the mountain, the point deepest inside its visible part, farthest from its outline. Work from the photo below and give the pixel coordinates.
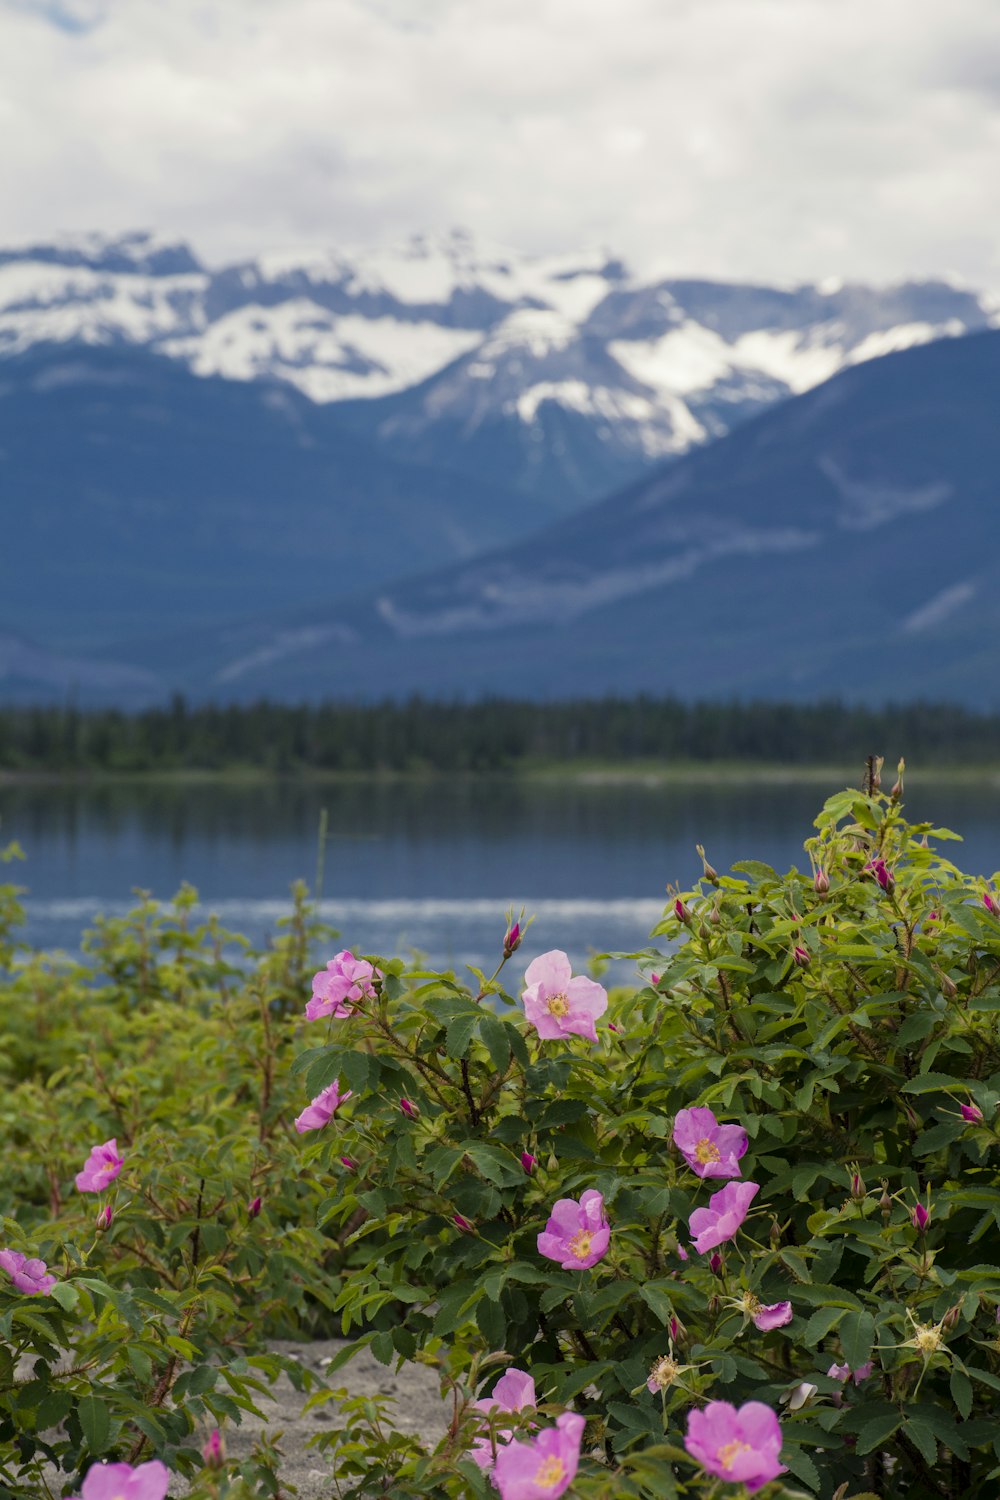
(141, 500)
(845, 542)
(563, 377)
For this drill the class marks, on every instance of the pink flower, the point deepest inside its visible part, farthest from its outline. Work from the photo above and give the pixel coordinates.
(722, 1218)
(774, 1316)
(28, 1276)
(512, 1392)
(577, 1234)
(122, 1482)
(845, 1373)
(972, 1113)
(101, 1168)
(322, 1109)
(556, 1004)
(710, 1149)
(919, 1217)
(341, 986)
(528, 1161)
(544, 1468)
(739, 1446)
(681, 1253)
(104, 1217)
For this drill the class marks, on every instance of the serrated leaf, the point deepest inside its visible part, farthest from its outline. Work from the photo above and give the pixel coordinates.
(494, 1037)
(459, 1034)
(95, 1421)
(857, 1335)
(877, 1431)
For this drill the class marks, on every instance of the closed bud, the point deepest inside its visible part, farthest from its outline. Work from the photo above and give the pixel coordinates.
(952, 1316)
(775, 1235)
(715, 915)
(512, 940)
(253, 1208)
(409, 1109)
(214, 1452)
(716, 1263)
(348, 1164)
(104, 1217)
(858, 1189)
(681, 912)
(527, 1162)
(800, 956)
(897, 790)
(678, 1332)
(880, 872)
(711, 875)
(971, 1113)
(821, 882)
(989, 901)
(949, 988)
(919, 1217)
(885, 1202)
(463, 1223)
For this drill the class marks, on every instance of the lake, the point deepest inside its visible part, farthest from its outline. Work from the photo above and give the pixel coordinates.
(429, 864)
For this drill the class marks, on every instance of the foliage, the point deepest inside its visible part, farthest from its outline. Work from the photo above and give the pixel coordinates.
(490, 735)
(843, 1017)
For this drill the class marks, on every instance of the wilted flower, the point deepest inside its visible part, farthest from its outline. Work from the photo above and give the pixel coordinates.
(544, 1468)
(213, 1451)
(577, 1234)
(253, 1208)
(101, 1168)
(28, 1275)
(121, 1482)
(514, 1391)
(972, 1113)
(927, 1338)
(527, 1162)
(322, 1109)
(104, 1217)
(556, 1003)
(341, 986)
(739, 1446)
(710, 1149)
(664, 1372)
(721, 1220)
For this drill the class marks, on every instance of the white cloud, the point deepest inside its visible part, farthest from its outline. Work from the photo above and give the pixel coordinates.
(779, 139)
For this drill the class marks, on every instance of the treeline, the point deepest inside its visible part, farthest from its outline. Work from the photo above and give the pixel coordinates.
(492, 735)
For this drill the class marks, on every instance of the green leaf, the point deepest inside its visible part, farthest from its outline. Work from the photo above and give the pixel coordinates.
(459, 1034)
(95, 1421)
(921, 1436)
(857, 1335)
(494, 1038)
(657, 1299)
(877, 1431)
(821, 1323)
(961, 1391)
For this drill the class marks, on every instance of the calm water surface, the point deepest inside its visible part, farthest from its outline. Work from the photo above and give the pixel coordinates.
(426, 864)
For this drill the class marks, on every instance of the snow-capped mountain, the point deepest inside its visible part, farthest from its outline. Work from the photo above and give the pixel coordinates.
(567, 375)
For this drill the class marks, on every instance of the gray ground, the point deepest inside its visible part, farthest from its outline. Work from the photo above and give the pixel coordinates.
(419, 1409)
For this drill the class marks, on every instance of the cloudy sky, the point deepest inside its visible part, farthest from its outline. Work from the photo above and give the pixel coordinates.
(778, 139)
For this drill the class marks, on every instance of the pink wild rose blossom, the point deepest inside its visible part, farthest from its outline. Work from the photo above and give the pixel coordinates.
(545, 1468)
(844, 1373)
(710, 1149)
(775, 1315)
(341, 986)
(322, 1109)
(559, 1004)
(577, 1234)
(28, 1274)
(739, 1446)
(101, 1168)
(513, 1391)
(722, 1218)
(121, 1482)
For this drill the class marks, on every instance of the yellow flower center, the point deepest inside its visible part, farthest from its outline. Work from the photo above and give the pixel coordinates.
(549, 1472)
(580, 1244)
(730, 1452)
(557, 1005)
(664, 1371)
(707, 1151)
(927, 1340)
(750, 1304)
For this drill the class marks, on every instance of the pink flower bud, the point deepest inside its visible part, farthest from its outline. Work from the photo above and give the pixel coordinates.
(512, 939)
(654, 979)
(213, 1451)
(463, 1223)
(682, 1253)
(800, 956)
(348, 1164)
(253, 1208)
(858, 1189)
(880, 872)
(919, 1217)
(104, 1217)
(821, 881)
(527, 1162)
(679, 1333)
(952, 1316)
(715, 1263)
(933, 916)
(408, 1108)
(613, 1027)
(972, 1113)
(998, 1314)
(681, 912)
(989, 902)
